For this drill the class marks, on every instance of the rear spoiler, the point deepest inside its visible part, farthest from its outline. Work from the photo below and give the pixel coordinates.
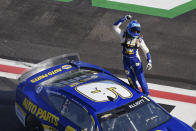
(48, 63)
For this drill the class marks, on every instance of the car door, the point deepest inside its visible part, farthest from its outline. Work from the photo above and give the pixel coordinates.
(73, 116)
(77, 115)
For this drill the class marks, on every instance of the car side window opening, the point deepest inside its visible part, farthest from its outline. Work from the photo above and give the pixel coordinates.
(56, 101)
(77, 115)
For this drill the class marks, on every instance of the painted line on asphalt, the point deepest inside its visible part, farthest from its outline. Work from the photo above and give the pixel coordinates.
(173, 96)
(13, 69)
(9, 75)
(183, 111)
(15, 63)
(164, 88)
(171, 93)
(148, 7)
(172, 89)
(161, 4)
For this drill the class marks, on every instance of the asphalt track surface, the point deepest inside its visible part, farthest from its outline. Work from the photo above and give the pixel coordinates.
(33, 30)
(8, 119)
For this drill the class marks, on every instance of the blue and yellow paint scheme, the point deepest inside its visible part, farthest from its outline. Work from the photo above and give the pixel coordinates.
(97, 93)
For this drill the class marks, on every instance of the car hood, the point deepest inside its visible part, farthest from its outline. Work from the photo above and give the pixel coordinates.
(173, 124)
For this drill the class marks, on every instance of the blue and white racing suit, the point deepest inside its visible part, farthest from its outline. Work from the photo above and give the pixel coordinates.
(131, 59)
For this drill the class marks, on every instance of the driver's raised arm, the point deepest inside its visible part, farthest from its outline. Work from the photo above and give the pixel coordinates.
(117, 24)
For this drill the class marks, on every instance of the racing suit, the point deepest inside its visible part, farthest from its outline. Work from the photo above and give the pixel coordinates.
(131, 59)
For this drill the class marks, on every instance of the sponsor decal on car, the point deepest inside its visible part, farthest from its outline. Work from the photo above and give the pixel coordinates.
(51, 73)
(136, 103)
(39, 112)
(69, 128)
(100, 91)
(48, 128)
(66, 67)
(20, 113)
(139, 102)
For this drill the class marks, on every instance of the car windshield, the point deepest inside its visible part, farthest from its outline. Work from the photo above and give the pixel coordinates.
(140, 115)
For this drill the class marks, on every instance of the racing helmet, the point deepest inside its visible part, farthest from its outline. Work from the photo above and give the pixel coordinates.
(133, 29)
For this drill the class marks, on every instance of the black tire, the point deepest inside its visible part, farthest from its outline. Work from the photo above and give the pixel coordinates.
(33, 124)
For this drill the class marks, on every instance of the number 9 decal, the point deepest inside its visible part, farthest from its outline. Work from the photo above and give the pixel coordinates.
(99, 91)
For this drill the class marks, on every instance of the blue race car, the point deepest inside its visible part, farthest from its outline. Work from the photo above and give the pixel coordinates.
(66, 94)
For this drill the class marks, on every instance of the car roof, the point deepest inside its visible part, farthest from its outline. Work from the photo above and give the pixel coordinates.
(108, 99)
(101, 91)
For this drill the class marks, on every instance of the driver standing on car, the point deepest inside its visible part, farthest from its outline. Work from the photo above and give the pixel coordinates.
(131, 40)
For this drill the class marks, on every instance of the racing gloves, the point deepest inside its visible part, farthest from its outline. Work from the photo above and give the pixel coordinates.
(149, 65)
(126, 17)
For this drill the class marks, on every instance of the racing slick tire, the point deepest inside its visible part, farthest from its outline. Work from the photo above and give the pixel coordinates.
(33, 124)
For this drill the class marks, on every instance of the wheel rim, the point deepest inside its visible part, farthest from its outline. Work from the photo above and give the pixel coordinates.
(33, 124)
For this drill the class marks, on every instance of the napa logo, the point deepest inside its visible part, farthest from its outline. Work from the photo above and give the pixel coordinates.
(66, 67)
(163, 8)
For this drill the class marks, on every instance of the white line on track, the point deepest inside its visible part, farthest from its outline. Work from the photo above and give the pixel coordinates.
(169, 89)
(183, 111)
(15, 63)
(9, 75)
(161, 4)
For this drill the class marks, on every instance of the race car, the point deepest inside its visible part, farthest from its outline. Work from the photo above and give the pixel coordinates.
(66, 94)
